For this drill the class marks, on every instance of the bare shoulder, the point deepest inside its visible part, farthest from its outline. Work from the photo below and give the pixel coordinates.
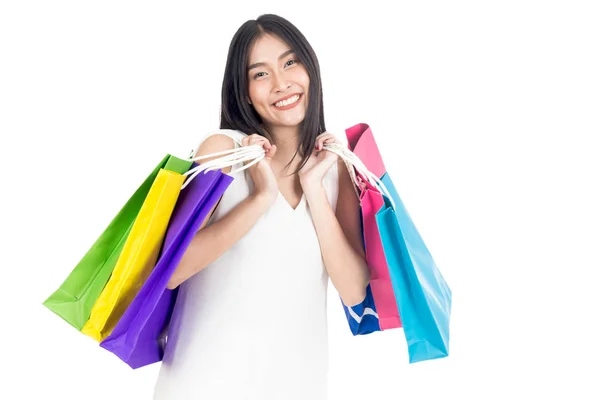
(214, 144)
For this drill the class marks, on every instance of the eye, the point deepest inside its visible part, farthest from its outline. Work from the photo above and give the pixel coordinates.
(257, 75)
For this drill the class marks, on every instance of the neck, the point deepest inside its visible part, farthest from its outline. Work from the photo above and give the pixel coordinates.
(287, 139)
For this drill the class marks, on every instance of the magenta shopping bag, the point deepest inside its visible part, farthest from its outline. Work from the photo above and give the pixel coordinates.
(136, 338)
(371, 201)
(379, 310)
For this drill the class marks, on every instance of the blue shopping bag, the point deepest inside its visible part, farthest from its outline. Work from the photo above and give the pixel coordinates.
(362, 318)
(423, 296)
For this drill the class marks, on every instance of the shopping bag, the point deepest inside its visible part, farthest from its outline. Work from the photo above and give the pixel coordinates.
(371, 201)
(378, 310)
(422, 293)
(362, 317)
(138, 338)
(74, 299)
(138, 256)
(380, 302)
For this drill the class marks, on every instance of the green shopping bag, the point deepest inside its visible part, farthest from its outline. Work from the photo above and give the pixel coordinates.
(74, 299)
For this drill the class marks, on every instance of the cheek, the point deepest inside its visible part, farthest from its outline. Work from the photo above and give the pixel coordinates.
(303, 80)
(258, 93)
(303, 76)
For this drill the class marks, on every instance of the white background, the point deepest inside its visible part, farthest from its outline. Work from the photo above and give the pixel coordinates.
(487, 116)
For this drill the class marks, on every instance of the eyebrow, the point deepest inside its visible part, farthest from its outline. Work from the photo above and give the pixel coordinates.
(259, 64)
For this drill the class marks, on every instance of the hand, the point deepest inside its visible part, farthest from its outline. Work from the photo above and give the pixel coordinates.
(319, 162)
(265, 183)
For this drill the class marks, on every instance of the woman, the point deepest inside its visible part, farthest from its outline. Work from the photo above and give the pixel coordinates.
(250, 320)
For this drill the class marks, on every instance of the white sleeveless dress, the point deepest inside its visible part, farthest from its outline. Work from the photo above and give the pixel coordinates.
(253, 324)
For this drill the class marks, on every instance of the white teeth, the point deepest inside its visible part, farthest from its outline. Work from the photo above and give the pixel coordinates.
(287, 102)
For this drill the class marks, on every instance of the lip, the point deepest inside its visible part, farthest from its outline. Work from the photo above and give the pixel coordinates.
(290, 105)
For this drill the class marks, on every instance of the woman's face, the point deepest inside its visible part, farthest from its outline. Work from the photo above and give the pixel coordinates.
(275, 74)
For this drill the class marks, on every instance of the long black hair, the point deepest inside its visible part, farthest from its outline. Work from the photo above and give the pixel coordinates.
(237, 114)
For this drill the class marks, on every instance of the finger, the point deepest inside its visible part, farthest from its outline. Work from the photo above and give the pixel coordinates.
(325, 134)
(264, 143)
(331, 139)
(269, 154)
(261, 139)
(324, 138)
(256, 136)
(320, 143)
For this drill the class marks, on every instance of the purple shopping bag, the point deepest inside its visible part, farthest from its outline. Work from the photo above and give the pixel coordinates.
(136, 338)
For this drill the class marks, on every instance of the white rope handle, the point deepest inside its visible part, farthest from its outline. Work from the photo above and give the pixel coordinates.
(352, 160)
(239, 154)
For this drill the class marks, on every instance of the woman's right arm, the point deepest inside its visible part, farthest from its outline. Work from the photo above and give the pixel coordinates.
(211, 242)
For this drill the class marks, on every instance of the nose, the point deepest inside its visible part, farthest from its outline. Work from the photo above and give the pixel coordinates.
(280, 83)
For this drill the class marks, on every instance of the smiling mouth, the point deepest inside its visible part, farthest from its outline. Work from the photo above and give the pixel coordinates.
(285, 105)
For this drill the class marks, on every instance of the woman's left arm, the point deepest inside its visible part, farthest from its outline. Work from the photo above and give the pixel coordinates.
(340, 237)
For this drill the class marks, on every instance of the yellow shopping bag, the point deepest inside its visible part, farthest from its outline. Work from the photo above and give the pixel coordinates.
(138, 257)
